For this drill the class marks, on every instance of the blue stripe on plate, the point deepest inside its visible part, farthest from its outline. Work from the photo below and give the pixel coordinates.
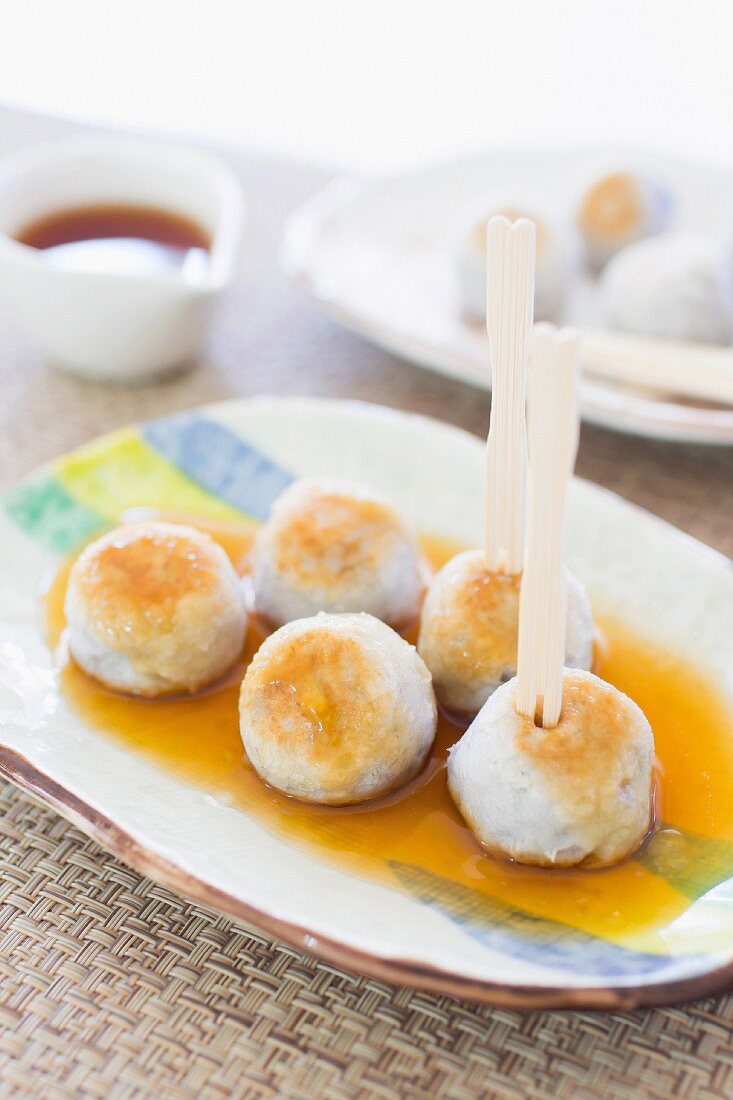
(523, 935)
(218, 460)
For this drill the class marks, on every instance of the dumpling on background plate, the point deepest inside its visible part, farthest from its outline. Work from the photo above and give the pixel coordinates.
(677, 286)
(620, 207)
(557, 260)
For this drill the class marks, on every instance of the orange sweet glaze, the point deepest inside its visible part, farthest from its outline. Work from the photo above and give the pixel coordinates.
(198, 740)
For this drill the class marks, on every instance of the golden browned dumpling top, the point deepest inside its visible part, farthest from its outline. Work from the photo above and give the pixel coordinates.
(155, 607)
(335, 546)
(336, 708)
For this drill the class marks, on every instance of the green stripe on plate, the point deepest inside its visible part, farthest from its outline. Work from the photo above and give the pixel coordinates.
(42, 508)
(692, 863)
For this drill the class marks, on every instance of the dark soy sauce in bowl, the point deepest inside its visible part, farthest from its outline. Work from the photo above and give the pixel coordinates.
(121, 239)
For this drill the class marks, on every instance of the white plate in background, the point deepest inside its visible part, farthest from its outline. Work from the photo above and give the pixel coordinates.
(379, 257)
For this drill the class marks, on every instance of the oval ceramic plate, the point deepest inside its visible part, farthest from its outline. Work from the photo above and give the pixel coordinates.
(378, 256)
(233, 459)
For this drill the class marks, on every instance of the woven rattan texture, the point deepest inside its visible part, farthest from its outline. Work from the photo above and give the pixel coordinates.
(110, 986)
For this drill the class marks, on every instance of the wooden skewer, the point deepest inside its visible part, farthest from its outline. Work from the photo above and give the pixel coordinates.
(553, 443)
(690, 370)
(509, 309)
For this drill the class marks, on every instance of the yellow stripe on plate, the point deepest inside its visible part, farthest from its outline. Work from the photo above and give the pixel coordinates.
(120, 471)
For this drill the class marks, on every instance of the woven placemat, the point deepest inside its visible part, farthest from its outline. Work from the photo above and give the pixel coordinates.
(113, 987)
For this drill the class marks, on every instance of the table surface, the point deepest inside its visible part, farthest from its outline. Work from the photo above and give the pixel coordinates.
(111, 986)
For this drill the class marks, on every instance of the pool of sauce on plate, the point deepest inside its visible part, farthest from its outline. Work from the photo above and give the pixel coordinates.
(198, 740)
(107, 237)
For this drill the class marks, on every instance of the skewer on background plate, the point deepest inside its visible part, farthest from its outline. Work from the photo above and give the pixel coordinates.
(556, 769)
(469, 622)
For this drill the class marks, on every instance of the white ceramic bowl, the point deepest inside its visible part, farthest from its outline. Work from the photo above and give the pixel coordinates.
(116, 326)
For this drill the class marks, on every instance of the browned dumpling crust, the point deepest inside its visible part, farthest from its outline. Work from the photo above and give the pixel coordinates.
(336, 546)
(337, 709)
(577, 793)
(155, 608)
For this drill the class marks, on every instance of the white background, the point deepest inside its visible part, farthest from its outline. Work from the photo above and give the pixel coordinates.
(384, 83)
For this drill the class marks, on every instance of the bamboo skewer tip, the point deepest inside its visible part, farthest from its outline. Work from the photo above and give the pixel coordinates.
(510, 273)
